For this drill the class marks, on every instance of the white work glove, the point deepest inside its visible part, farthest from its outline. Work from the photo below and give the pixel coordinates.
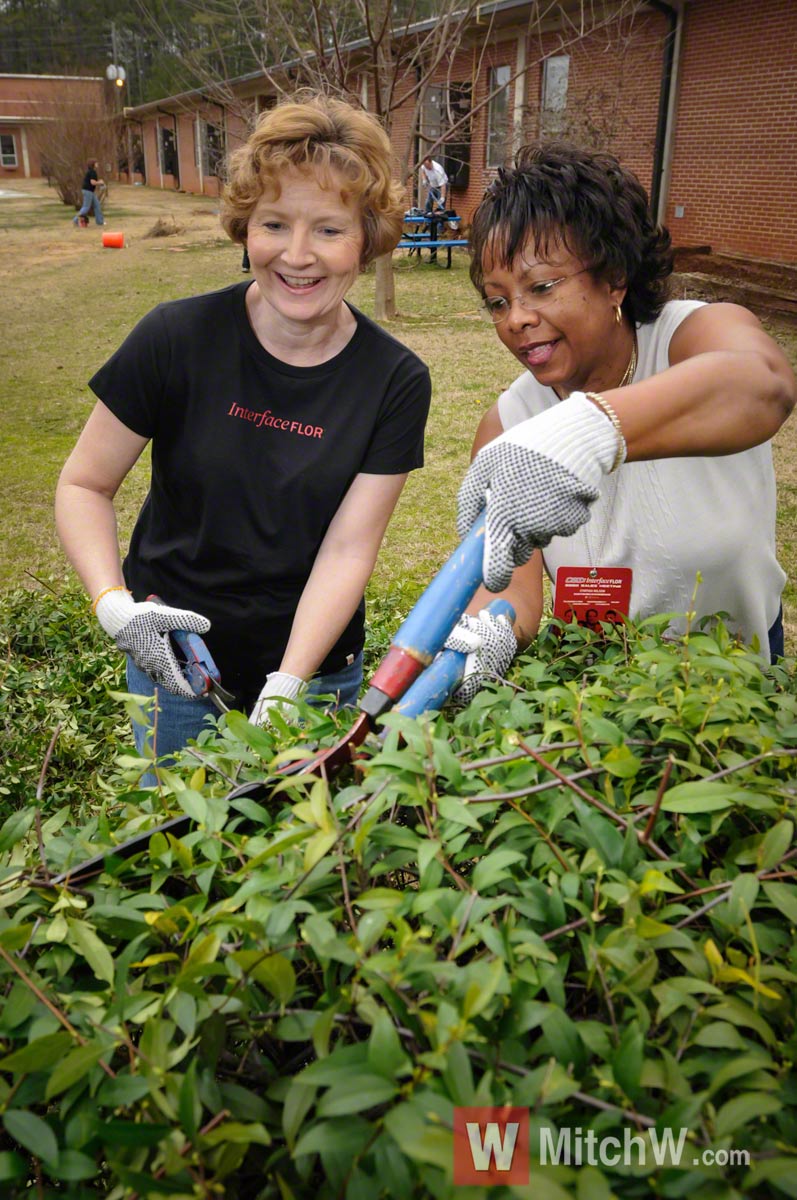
(279, 685)
(537, 482)
(142, 631)
(490, 645)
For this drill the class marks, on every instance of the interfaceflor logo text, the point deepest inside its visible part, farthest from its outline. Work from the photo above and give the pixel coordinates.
(492, 1147)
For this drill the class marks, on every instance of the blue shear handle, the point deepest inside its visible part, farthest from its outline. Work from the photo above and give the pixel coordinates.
(200, 670)
(442, 604)
(431, 689)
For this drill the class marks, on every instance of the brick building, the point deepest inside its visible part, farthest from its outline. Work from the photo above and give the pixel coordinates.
(28, 101)
(652, 83)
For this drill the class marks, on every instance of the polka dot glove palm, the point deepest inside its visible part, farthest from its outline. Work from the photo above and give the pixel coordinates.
(142, 631)
(536, 481)
(490, 645)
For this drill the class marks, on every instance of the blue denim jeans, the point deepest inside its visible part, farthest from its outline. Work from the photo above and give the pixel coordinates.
(776, 640)
(180, 719)
(91, 201)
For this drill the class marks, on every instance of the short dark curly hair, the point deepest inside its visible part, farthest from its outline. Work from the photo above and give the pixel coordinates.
(557, 192)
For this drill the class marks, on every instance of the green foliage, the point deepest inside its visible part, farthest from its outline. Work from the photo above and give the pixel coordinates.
(576, 895)
(57, 674)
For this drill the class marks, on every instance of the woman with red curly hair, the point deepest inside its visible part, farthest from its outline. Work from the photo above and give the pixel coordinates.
(283, 425)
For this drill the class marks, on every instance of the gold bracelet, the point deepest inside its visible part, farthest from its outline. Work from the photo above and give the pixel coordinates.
(119, 588)
(608, 411)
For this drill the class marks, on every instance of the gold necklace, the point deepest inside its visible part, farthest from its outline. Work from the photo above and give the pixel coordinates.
(631, 368)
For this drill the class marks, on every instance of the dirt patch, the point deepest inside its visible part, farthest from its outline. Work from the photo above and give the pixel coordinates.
(167, 227)
(764, 287)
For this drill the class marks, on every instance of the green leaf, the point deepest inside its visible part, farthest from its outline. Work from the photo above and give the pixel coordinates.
(84, 939)
(376, 898)
(784, 897)
(12, 1166)
(700, 796)
(775, 844)
(76, 1065)
(256, 738)
(386, 1054)
(73, 1166)
(345, 1137)
(37, 1055)
(15, 827)
(622, 762)
(132, 1134)
(237, 1133)
(274, 972)
(355, 1095)
(494, 867)
(627, 1060)
(742, 1109)
(297, 1104)
(458, 812)
(194, 805)
(33, 1133)
(189, 1105)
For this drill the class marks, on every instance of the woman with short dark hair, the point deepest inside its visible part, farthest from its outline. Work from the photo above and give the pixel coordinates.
(631, 459)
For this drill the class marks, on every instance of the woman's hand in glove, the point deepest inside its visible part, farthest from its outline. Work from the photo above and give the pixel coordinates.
(490, 645)
(537, 481)
(279, 686)
(142, 631)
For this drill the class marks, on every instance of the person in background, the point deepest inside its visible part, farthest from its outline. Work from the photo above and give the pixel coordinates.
(633, 452)
(91, 200)
(283, 425)
(435, 180)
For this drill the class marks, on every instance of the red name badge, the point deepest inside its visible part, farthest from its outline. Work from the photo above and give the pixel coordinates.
(590, 595)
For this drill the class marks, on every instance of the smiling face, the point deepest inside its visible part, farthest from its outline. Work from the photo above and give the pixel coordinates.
(305, 247)
(570, 340)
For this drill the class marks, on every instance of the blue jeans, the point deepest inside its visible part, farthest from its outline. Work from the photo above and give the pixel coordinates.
(91, 201)
(775, 635)
(180, 719)
(435, 197)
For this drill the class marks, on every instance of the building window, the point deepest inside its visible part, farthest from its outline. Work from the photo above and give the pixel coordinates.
(210, 151)
(553, 101)
(498, 133)
(214, 149)
(8, 150)
(169, 164)
(445, 119)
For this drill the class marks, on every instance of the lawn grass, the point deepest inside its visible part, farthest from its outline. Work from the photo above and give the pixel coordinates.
(66, 303)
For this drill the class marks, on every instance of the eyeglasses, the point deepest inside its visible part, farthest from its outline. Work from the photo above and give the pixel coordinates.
(495, 309)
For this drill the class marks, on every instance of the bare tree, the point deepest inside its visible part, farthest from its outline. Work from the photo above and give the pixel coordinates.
(387, 54)
(69, 134)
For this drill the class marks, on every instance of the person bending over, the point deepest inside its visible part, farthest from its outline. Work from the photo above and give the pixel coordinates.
(633, 452)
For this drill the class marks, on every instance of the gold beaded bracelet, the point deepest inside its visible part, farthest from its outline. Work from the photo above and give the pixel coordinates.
(607, 409)
(119, 588)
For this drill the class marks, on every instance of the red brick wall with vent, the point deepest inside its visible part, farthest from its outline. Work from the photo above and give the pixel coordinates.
(734, 170)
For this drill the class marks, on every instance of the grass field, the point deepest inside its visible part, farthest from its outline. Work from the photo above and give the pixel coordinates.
(66, 303)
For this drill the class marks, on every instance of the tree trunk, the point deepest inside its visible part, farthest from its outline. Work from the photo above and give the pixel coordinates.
(385, 294)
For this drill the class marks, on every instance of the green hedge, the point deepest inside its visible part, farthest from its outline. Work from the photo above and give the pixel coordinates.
(577, 896)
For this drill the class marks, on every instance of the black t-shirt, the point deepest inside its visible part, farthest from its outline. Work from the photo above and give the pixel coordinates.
(90, 179)
(251, 459)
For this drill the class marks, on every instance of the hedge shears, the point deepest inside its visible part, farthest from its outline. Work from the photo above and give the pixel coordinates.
(415, 676)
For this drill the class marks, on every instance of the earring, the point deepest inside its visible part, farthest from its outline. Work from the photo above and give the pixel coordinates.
(618, 314)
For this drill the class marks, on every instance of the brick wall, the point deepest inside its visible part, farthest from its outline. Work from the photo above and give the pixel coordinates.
(28, 100)
(613, 94)
(733, 169)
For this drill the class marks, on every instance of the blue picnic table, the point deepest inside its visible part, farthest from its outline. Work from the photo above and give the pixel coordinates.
(431, 231)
